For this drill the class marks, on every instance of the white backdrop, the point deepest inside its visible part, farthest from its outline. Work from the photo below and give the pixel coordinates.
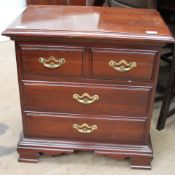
(9, 10)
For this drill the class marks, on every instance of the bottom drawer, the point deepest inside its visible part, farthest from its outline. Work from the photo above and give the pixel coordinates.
(84, 128)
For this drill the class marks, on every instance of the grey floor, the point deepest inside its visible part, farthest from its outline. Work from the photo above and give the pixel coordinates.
(84, 163)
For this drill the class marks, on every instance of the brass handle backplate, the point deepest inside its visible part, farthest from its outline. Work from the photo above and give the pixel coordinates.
(85, 98)
(52, 62)
(85, 128)
(122, 65)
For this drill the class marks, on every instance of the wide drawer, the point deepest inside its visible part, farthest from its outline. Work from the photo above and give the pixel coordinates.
(84, 128)
(87, 99)
(125, 65)
(50, 60)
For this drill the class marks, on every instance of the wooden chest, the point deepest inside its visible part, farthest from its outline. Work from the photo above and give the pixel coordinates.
(87, 79)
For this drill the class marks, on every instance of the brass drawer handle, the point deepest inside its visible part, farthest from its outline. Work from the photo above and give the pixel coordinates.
(85, 128)
(122, 66)
(52, 62)
(85, 98)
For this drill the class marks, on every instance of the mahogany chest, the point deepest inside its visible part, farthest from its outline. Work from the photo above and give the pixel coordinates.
(87, 79)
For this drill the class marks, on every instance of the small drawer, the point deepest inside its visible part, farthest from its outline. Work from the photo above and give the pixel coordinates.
(84, 128)
(52, 61)
(84, 99)
(123, 64)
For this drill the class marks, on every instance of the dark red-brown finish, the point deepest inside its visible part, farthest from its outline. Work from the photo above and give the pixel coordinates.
(144, 71)
(92, 24)
(109, 130)
(88, 38)
(74, 60)
(130, 101)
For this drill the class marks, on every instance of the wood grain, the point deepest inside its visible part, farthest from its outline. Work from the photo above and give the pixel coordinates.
(73, 66)
(142, 72)
(61, 127)
(89, 23)
(127, 101)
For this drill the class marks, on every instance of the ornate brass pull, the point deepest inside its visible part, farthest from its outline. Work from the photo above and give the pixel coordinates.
(85, 128)
(52, 62)
(122, 66)
(85, 98)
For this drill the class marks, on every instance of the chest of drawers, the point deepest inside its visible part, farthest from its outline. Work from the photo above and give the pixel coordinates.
(87, 79)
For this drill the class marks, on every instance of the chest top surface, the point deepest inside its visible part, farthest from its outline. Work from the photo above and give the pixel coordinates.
(91, 22)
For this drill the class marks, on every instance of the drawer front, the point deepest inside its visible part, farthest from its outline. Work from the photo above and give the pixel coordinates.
(84, 99)
(84, 128)
(52, 61)
(122, 65)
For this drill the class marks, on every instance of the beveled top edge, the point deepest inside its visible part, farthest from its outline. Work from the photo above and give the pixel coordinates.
(84, 35)
(91, 22)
